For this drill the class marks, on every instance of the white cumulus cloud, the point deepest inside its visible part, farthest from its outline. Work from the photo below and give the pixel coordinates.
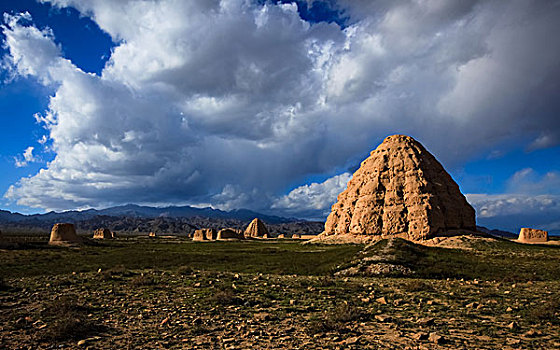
(530, 199)
(230, 102)
(313, 200)
(28, 157)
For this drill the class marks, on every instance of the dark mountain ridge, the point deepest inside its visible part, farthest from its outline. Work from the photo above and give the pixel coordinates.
(138, 211)
(136, 219)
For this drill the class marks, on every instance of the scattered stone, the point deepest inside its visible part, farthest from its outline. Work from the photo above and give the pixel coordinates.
(425, 321)
(381, 300)
(383, 318)
(436, 338)
(420, 336)
(513, 341)
(532, 333)
(262, 316)
(351, 340)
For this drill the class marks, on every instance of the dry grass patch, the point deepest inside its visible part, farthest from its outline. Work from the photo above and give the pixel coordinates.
(225, 296)
(417, 286)
(548, 311)
(143, 280)
(66, 318)
(4, 286)
(334, 320)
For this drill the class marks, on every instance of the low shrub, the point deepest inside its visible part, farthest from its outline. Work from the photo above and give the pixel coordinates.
(417, 286)
(66, 318)
(225, 296)
(334, 320)
(185, 270)
(115, 272)
(143, 280)
(545, 312)
(4, 286)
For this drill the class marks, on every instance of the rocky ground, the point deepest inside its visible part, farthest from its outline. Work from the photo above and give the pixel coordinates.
(173, 307)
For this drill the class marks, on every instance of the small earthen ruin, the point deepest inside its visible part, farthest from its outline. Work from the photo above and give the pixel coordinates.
(230, 233)
(531, 235)
(256, 229)
(63, 233)
(205, 234)
(103, 233)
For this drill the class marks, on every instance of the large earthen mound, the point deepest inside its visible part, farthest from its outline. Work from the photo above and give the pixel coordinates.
(62, 234)
(256, 228)
(400, 190)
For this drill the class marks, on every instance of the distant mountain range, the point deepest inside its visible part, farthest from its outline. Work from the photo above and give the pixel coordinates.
(133, 218)
(497, 233)
(138, 211)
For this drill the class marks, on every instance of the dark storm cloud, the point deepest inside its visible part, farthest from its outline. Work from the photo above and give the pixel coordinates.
(232, 103)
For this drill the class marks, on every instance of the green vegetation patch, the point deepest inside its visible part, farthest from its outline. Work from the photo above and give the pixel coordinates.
(487, 260)
(251, 256)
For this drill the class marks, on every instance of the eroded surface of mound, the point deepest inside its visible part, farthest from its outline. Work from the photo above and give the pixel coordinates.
(400, 190)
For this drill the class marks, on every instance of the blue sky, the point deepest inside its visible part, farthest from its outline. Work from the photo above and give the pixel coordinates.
(271, 106)
(21, 98)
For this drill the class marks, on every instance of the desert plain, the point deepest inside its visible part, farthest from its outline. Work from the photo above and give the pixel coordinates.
(172, 293)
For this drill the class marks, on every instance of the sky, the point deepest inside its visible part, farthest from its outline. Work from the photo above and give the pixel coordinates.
(271, 105)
